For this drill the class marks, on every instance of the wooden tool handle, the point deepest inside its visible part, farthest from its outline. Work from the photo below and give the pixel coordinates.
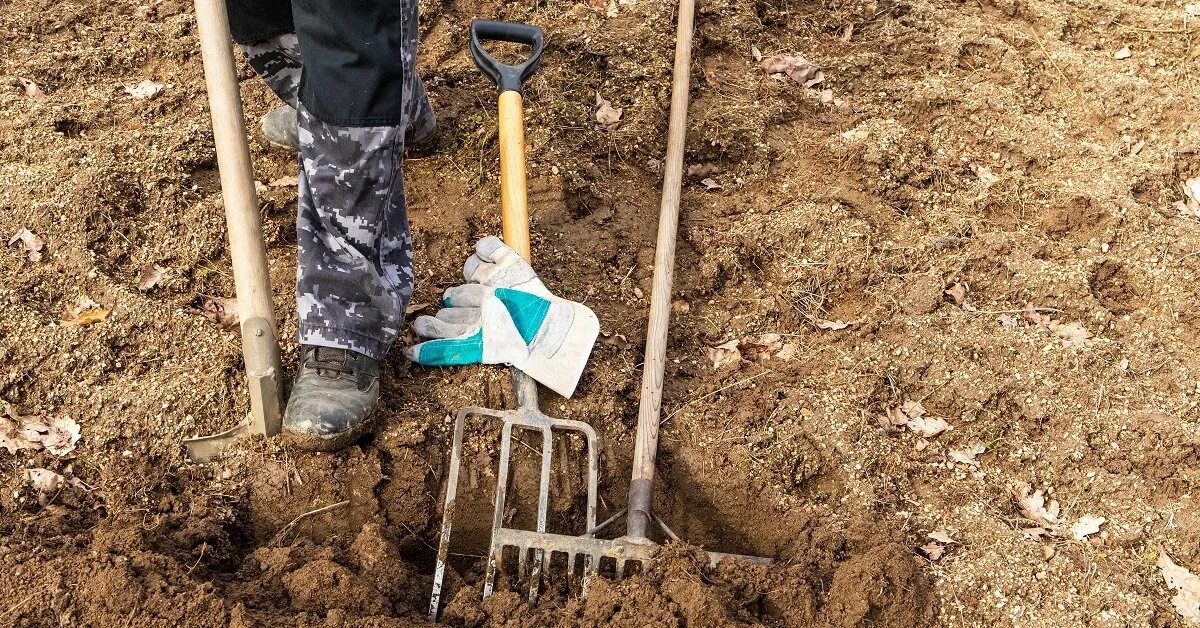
(514, 205)
(246, 249)
(642, 486)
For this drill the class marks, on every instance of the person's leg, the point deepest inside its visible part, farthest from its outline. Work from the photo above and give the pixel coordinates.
(267, 36)
(354, 278)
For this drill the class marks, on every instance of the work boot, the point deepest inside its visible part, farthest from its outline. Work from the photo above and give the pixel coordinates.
(279, 127)
(332, 399)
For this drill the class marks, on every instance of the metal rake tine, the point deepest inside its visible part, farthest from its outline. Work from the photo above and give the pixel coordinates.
(496, 553)
(448, 512)
(540, 562)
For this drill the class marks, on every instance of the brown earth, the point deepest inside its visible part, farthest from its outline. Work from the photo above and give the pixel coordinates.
(998, 145)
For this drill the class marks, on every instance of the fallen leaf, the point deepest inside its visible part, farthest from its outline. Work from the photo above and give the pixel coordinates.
(794, 67)
(1032, 315)
(933, 551)
(1033, 506)
(1087, 526)
(967, 456)
(893, 420)
(756, 53)
(788, 351)
(957, 293)
(847, 32)
(941, 536)
(832, 325)
(413, 308)
(711, 185)
(1007, 320)
(83, 314)
(608, 118)
(724, 355)
(31, 89)
(913, 409)
(151, 276)
(1185, 584)
(759, 348)
(284, 182)
(223, 312)
(928, 427)
(614, 340)
(12, 434)
(1073, 335)
(30, 243)
(144, 89)
(1034, 534)
(46, 482)
(60, 439)
(1190, 205)
(1123, 53)
(986, 177)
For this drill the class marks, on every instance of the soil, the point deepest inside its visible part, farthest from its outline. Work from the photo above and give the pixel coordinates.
(997, 148)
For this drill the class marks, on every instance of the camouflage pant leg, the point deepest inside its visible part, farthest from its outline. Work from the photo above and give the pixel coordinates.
(277, 60)
(354, 277)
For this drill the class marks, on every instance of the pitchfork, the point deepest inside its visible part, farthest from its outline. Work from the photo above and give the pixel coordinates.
(527, 416)
(535, 548)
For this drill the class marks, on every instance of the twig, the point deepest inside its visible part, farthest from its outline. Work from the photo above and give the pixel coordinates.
(719, 390)
(1022, 310)
(291, 524)
(12, 609)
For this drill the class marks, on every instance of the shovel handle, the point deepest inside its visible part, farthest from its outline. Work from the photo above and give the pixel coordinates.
(514, 205)
(506, 77)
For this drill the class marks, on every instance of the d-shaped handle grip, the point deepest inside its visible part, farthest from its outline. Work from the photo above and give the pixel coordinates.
(506, 77)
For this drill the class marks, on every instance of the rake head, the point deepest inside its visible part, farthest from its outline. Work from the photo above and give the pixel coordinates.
(527, 417)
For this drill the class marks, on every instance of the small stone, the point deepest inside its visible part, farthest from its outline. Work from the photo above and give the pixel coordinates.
(1123, 53)
(1048, 552)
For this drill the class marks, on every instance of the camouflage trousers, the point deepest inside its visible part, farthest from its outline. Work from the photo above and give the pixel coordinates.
(354, 274)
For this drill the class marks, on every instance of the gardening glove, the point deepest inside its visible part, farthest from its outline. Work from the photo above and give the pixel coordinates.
(497, 266)
(546, 337)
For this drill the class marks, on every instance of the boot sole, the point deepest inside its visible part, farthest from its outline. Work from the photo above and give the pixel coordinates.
(337, 442)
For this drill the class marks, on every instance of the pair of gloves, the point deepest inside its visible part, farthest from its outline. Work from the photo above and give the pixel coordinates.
(505, 315)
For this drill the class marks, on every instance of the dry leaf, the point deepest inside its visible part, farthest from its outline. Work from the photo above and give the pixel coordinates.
(144, 89)
(967, 456)
(928, 428)
(151, 276)
(413, 308)
(1190, 205)
(30, 243)
(913, 409)
(614, 340)
(61, 437)
(1086, 526)
(1123, 53)
(1035, 534)
(756, 53)
(986, 177)
(1186, 586)
(711, 184)
(957, 293)
(608, 118)
(933, 551)
(1033, 506)
(223, 312)
(31, 89)
(46, 482)
(759, 348)
(724, 355)
(893, 420)
(794, 67)
(1007, 320)
(12, 433)
(832, 325)
(788, 351)
(1032, 315)
(84, 313)
(941, 536)
(1073, 335)
(284, 182)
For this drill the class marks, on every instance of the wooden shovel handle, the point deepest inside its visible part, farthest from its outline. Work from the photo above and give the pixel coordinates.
(514, 205)
(646, 447)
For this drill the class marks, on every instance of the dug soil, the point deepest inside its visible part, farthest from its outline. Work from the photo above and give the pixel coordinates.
(948, 276)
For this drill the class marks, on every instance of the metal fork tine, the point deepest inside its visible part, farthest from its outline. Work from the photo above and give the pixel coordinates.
(620, 568)
(540, 557)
